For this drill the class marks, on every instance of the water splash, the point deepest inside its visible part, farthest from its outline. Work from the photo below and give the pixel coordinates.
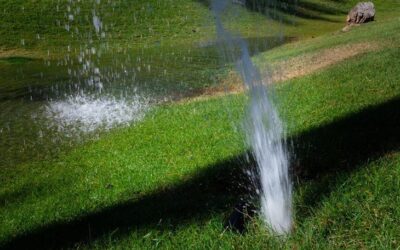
(85, 113)
(263, 128)
(89, 101)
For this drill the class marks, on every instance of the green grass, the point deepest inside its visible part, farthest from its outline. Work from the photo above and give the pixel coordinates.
(162, 36)
(381, 32)
(15, 60)
(40, 25)
(171, 180)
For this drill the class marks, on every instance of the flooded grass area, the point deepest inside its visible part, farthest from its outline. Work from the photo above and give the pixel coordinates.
(40, 99)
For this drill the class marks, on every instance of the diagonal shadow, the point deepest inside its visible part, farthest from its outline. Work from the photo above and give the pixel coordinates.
(344, 145)
(209, 190)
(335, 148)
(280, 10)
(350, 141)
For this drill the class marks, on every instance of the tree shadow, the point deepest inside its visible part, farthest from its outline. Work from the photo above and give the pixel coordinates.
(209, 190)
(255, 45)
(281, 10)
(332, 149)
(340, 147)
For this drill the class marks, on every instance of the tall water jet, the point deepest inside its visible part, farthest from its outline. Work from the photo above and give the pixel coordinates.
(263, 129)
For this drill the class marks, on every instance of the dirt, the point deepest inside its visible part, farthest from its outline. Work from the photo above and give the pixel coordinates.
(292, 68)
(281, 71)
(310, 63)
(6, 53)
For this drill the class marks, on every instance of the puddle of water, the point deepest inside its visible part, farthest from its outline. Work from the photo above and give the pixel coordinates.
(48, 104)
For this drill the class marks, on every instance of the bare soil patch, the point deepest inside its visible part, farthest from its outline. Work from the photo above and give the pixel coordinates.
(292, 68)
(307, 64)
(6, 53)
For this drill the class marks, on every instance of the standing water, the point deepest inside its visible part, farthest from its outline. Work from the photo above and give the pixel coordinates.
(263, 129)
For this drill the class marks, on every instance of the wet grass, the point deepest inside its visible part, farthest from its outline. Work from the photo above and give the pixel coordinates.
(166, 48)
(42, 25)
(15, 60)
(166, 35)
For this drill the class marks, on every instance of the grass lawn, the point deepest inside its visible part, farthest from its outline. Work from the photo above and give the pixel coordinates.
(44, 29)
(171, 180)
(143, 33)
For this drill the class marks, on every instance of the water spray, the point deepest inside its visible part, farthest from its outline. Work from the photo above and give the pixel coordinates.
(263, 129)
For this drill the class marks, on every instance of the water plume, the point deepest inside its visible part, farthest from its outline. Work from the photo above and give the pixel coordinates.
(263, 129)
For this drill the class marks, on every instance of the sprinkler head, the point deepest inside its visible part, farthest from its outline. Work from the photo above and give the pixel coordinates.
(242, 213)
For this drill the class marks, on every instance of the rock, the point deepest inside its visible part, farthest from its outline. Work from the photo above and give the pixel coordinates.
(361, 13)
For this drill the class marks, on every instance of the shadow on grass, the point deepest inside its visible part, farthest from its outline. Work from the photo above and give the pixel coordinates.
(281, 10)
(326, 151)
(211, 190)
(16, 59)
(333, 150)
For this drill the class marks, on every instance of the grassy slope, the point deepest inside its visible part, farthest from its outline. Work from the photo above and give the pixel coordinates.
(138, 22)
(168, 181)
(41, 24)
(159, 33)
(150, 27)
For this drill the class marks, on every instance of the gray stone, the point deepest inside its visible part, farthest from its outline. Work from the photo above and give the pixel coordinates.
(361, 13)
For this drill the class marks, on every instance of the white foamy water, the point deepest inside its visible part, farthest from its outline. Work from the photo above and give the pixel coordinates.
(264, 132)
(265, 136)
(83, 113)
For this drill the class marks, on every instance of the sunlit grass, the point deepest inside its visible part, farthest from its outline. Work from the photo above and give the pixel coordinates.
(171, 180)
(127, 168)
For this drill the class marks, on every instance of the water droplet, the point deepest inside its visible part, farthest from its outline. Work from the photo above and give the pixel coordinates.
(96, 23)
